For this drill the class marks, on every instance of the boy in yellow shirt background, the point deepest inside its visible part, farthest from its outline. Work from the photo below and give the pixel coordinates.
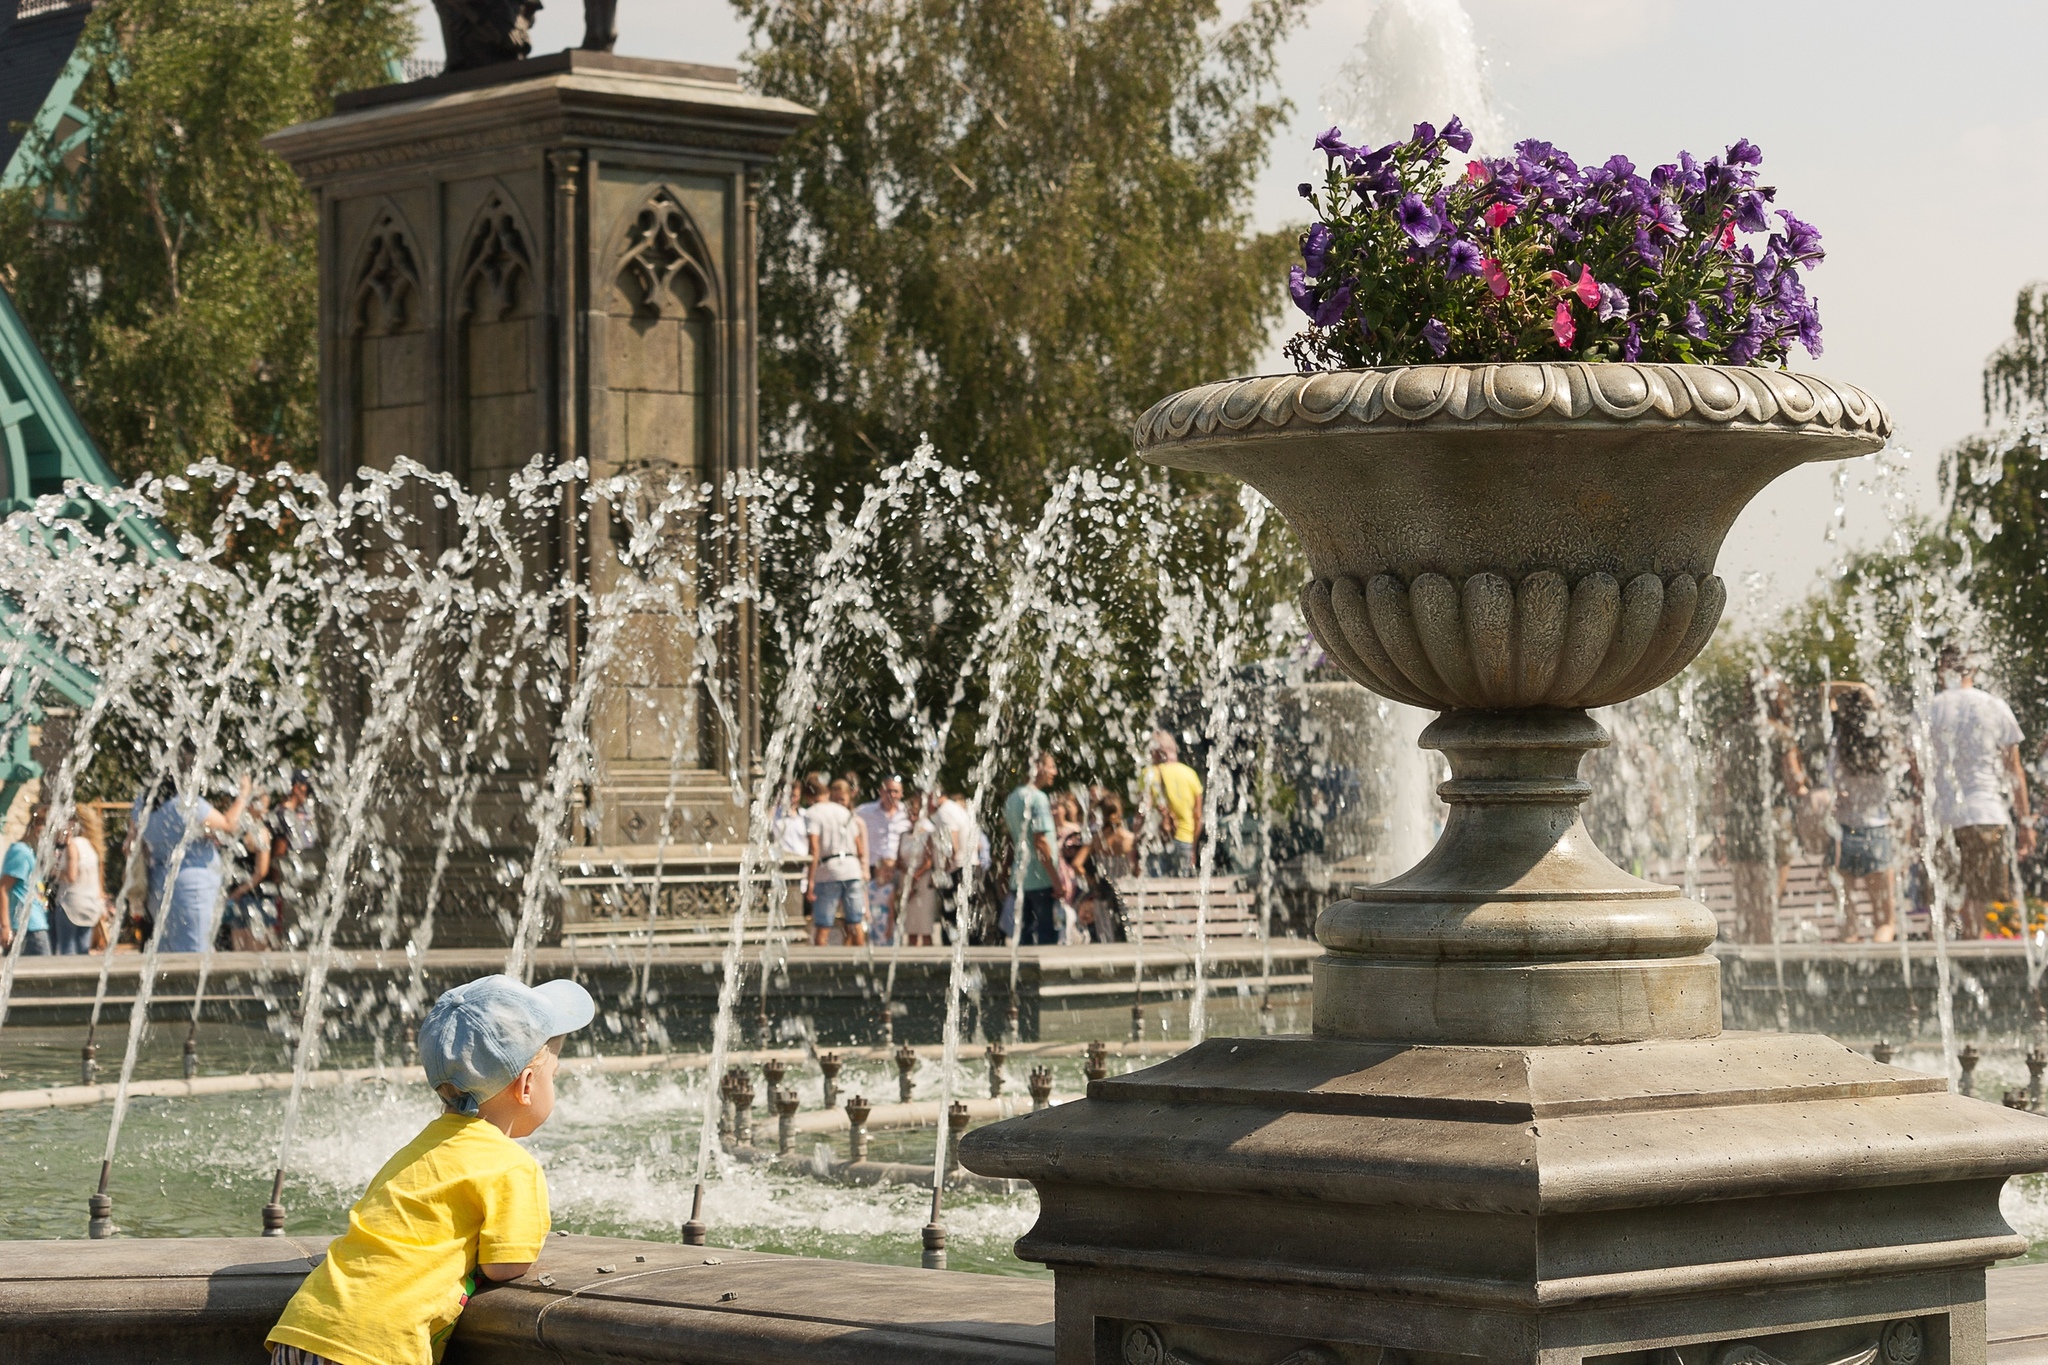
(459, 1199)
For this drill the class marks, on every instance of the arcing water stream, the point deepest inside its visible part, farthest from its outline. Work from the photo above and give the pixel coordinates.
(445, 682)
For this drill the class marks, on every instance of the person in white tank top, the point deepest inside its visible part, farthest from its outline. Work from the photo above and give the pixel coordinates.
(81, 892)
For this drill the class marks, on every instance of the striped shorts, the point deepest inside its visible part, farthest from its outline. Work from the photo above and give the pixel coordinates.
(282, 1354)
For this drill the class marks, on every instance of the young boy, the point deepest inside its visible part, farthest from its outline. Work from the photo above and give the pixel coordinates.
(460, 1198)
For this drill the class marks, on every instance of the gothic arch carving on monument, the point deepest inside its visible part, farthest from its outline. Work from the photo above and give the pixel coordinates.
(388, 296)
(665, 333)
(660, 252)
(385, 331)
(496, 275)
(495, 309)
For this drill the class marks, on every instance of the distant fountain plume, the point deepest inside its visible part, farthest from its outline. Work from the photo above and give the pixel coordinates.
(1418, 61)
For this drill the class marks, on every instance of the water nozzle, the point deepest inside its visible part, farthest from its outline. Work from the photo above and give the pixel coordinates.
(273, 1212)
(100, 1207)
(693, 1231)
(935, 1236)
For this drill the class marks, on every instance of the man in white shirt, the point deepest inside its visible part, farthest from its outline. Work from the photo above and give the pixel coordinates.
(953, 848)
(837, 884)
(1978, 786)
(887, 821)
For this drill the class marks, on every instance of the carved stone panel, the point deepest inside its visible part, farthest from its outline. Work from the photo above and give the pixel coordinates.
(389, 345)
(1920, 1340)
(662, 339)
(1123, 1341)
(498, 339)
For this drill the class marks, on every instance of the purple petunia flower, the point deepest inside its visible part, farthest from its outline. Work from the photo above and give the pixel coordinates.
(1315, 248)
(1664, 216)
(1424, 132)
(1458, 135)
(1298, 289)
(1562, 226)
(1332, 144)
(1745, 153)
(1331, 310)
(1417, 221)
(1305, 190)
(1461, 258)
(1801, 239)
(1749, 213)
(1437, 336)
(1632, 343)
(1646, 250)
(1807, 320)
(1613, 303)
(1694, 325)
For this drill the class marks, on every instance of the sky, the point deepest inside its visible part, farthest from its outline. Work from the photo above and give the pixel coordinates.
(1909, 133)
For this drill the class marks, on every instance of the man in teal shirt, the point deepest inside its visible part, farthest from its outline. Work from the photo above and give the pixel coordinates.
(28, 912)
(1039, 876)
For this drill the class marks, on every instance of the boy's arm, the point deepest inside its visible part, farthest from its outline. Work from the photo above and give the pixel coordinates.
(500, 1271)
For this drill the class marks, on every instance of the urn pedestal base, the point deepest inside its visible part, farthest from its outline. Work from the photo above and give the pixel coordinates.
(1752, 1199)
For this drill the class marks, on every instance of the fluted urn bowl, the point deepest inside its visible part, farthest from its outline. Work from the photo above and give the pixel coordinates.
(1511, 544)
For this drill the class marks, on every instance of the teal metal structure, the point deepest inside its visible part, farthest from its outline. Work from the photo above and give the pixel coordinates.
(45, 450)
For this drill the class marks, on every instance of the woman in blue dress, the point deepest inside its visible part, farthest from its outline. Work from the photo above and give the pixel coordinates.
(168, 820)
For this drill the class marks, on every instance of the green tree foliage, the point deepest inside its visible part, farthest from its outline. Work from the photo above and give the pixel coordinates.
(1015, 224)
(1012, 228)
(177, 300)
(1998, 490)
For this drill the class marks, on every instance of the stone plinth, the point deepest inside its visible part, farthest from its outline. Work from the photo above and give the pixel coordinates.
(1518, 1133)
(1255, 1197)
(557, 258)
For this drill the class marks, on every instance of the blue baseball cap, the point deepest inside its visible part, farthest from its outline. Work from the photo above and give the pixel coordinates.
(480, 1035)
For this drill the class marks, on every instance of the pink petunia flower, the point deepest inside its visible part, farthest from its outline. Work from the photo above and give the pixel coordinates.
(1562, 327)
(1496, 278)
(1588, 288)
(1497, 215)
(1476, 172)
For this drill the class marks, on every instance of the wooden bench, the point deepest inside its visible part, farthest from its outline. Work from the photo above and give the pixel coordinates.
(608, 890)
(1809, 899)
(1167, 907)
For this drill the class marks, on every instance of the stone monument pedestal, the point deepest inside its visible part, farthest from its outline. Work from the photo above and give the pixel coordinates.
(556, 257)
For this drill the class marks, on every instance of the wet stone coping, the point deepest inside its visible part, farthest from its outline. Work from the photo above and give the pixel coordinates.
(200, 1300)
(192, 1300)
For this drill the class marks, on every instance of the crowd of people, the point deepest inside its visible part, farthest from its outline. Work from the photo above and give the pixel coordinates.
(908, 866)
(229, 872)
(1857, 793)
(1860, 801)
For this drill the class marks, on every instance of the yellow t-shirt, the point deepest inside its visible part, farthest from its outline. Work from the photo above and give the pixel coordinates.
(1183, 792)
(393, 1285)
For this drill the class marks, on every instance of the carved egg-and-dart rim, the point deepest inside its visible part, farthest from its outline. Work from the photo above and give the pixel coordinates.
(1499, 639)
(1535, 393)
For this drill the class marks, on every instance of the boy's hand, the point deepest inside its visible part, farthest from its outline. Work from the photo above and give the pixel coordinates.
(502, 1271)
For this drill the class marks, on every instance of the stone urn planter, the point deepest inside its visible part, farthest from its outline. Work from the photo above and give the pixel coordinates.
(1517, 1132)
(1509, 545)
